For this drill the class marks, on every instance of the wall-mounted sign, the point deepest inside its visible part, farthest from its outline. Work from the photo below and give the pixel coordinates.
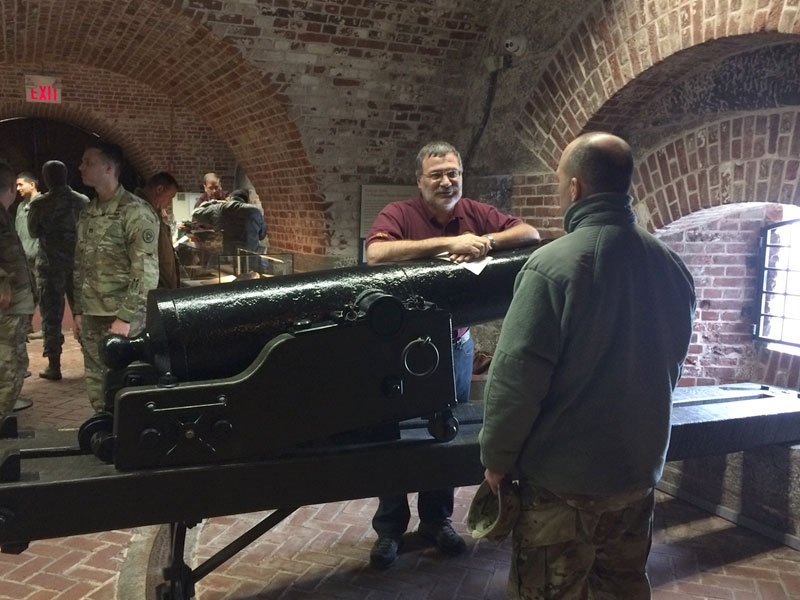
(40, 88)
(375, 197)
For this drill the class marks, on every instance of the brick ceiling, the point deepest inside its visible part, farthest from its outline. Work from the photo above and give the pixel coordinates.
(315, 98)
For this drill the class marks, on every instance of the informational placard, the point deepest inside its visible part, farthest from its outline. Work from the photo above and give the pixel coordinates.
(375, 197)
(182, 205)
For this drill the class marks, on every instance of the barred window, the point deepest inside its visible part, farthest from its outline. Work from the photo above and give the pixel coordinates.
(779, 318)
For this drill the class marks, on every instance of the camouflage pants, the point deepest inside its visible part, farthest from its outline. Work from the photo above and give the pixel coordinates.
(13, 359)
(572, 547)
(93, 330)
(53, 284)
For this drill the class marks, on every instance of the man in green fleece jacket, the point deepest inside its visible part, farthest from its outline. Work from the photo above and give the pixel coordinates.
(578, 399)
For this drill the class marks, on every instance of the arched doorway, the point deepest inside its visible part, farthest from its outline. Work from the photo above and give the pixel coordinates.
(30, 142)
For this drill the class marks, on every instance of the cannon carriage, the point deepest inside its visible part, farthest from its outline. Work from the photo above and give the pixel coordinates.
(336, 384)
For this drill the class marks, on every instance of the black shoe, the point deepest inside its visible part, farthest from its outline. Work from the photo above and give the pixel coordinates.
(50, 373)
(444, 536)
(384, 552)
(53, 369)
(27, 374)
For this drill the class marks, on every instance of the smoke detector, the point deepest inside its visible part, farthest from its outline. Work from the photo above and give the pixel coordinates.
(515, 45)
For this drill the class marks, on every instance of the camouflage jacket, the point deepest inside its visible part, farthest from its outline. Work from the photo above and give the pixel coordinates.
(116, 256)
(52, 219)
(168, 269)
(14, 274)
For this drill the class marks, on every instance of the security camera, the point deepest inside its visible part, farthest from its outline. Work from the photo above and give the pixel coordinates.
(515, 45)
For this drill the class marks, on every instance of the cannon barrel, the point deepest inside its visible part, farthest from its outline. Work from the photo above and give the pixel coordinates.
(217, 330)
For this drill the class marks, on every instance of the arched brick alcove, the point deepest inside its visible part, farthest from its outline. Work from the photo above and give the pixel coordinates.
(754, 157)
(163, 46)
(617, 42)
(155, 132)
(720, 245)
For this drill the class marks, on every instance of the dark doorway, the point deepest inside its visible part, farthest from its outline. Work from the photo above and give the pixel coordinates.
(28, 143)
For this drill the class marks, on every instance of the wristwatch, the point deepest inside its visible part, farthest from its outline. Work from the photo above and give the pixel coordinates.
(492, 241)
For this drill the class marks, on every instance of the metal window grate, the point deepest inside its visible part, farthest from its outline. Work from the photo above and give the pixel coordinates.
(779, 305)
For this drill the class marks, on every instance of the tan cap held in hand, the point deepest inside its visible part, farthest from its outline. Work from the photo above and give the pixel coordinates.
(493, 516)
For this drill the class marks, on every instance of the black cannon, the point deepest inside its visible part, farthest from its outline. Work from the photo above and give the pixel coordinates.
(251, 369)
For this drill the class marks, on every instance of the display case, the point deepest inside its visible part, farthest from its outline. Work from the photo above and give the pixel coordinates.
(203, 264)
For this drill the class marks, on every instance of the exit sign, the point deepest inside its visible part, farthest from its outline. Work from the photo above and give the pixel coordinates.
(40, 88)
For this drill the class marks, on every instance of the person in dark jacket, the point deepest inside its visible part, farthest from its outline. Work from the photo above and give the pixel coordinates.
(52, 219)
(243, 226)
(578, 399)
(16, 299)
(158, 191)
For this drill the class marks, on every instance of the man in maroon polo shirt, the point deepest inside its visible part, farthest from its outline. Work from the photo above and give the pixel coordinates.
(438, 220)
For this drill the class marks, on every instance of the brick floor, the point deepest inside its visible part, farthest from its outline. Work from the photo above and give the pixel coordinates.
(321, 552)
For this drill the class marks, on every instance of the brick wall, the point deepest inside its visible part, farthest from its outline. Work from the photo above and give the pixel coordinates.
(587, 81)
(367, 82)
(535, 199)
(315, 98)
(736, 159)
(168, 48)
(155, 133)
(752, 157)
(720, 247)
(695, 189)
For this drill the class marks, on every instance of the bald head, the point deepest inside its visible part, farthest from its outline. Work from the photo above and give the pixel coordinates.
(54, 173)
(601, 162)
(212, 187)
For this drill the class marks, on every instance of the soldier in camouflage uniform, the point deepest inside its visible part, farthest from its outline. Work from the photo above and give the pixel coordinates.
(16, 299)
(158, 192)
(577, 404)
(52, 219)
(116, 261)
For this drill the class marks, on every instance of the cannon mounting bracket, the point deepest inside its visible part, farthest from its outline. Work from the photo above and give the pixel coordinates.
(324, 380)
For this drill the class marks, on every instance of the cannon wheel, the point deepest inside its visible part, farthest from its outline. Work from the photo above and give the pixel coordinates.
(174, 590)
(443, 426)
(178, 584)
(100, 423)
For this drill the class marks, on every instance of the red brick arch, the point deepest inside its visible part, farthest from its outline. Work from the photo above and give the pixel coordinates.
(619, 43)
(160, 44)
(136, 153)
(748, 158)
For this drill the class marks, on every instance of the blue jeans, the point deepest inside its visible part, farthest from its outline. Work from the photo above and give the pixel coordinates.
(392, 517)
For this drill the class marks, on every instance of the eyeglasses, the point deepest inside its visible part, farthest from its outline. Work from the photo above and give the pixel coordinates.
(436, 176)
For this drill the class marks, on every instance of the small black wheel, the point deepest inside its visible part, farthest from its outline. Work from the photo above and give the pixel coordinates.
(103, 446)
(100, 423)
(443, 426)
